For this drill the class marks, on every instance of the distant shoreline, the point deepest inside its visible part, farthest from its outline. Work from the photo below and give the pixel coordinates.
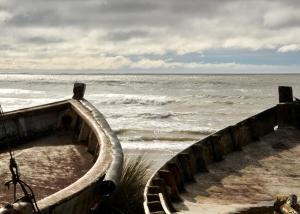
(76, 73)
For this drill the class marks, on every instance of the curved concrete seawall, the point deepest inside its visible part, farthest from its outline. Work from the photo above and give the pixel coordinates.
(90, 128)
(102, 142)
(166, 184)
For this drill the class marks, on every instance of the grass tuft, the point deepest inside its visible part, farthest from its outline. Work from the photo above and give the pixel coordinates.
(128, 197)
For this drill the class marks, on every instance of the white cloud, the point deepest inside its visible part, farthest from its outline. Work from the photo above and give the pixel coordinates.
(282, 16)
(289, 48)
(64, 63)
(4, 15)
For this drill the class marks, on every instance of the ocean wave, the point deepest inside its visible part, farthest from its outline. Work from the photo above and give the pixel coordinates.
(120, 113)
(155, 146)
(127, 99)
(202, 131)
(156, 116)
(237, 96)
(161, 138)
(220, 96)
(165, 115)
(216, 83)
(226, 102)
(109, 80)
(16, 91)
(10, 104)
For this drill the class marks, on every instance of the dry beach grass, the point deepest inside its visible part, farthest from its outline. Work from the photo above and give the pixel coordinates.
(128, 197)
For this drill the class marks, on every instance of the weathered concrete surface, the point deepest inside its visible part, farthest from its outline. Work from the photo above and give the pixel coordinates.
(82, 194)
(248, 178)
(47, 165)
(78, 192)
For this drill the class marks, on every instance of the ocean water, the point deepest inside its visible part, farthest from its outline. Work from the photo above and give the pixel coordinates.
(155, 115)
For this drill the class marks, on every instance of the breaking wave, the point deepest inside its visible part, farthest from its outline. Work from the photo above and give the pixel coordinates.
(156, 116)
(224, 102)
(10, 104)
(156, 146)
(202, 131)
(127, 99)
(161, 138)
(15, 91)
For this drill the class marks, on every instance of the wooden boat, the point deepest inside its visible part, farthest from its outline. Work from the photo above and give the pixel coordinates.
(66, 152)
(240, 169)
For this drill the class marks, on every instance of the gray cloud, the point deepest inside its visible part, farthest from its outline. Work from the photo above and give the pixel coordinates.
(126, 35)
(127, 13)
(36, 18)
(124, 28)
(6, 47)
(113, 12)
(39, 40)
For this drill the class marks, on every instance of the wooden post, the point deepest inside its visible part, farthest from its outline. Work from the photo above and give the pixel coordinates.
(78, 91)
(285, 94)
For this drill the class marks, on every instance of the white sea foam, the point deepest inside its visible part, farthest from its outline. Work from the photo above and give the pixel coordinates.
(156, 115)
(17, 91)
(115, 99)
(10, 104)
(167, 132)
(155, 145)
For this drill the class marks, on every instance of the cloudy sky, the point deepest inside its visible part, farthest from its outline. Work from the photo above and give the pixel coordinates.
(156, 35)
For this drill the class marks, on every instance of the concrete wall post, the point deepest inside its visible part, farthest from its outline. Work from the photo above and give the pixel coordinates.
(78, 91)
(197, 151)
(252, 121)
(285, 114)
(285, 94)
(217, 147)
(164, 191)
(169, 180)
(297, 114)
(173, 167)
(186, 165)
